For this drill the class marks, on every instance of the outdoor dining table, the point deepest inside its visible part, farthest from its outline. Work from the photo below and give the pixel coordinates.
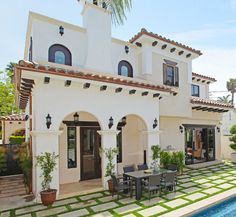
(138, 176)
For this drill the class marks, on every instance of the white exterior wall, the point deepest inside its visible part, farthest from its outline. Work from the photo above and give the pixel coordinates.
(203, 89)
(229, 119)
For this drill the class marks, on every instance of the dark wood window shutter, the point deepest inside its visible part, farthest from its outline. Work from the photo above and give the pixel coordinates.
(176, 77)
(164, 73)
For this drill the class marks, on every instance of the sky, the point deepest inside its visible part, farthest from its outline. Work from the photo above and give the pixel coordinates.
(208, 25)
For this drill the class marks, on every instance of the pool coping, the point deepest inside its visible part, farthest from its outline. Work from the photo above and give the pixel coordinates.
(201, 205)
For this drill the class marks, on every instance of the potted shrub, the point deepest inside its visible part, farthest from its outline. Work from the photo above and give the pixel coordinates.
(232, 145)
(110, 154)
(180, 161)
(165, 159)
(156, 151)
(47, 162)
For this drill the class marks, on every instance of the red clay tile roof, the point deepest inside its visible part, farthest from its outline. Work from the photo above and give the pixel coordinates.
(159, 37)
(204, 77)
(25, 65)
(13, 117)
(207, 102)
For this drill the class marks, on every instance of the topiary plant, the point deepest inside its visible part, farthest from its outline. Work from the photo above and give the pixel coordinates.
(232, 139)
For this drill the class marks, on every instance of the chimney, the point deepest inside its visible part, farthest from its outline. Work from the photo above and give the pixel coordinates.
(97, 22)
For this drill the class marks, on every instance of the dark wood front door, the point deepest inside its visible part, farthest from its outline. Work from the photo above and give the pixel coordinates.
(90, 142)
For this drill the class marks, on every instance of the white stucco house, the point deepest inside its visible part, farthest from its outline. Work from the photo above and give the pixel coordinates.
(103, 91)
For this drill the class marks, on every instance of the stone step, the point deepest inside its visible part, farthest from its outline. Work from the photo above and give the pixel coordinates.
(12, 194)
(15, 189)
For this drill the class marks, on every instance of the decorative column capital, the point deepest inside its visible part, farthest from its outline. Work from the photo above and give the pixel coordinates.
(108, 132)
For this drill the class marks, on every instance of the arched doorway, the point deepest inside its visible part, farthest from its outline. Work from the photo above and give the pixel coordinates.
(131, 141)
(79, 146)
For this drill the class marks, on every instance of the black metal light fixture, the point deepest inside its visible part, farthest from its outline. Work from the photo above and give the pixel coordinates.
(26, 117)
(126, 49)
(76, 117)
(111, 122)
(61, 30)
(181, 129)
(218, 129)
(48, 121)
(155, 123)
(123, 121)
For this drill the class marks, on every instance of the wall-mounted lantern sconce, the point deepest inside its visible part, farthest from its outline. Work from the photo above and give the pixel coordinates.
(48, 121)
(110, 124)
(61, 30)
(155, 123)
(76, 117)
(26, 117)
(126, 49)
(123, 120)
(218, 129)
(181, 129)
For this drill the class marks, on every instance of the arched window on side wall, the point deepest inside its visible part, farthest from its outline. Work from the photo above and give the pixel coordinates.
(59, 54)
(125, 69)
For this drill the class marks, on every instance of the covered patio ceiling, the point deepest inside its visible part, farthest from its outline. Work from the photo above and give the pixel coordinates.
(210, 105)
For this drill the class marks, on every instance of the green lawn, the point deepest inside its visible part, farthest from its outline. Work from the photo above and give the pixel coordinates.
(193, 186)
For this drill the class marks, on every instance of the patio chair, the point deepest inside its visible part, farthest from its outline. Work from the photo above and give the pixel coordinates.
(128, 168)
(142, 166)
(174, 168)
(169, 181)
(153, 185)
(121, 186)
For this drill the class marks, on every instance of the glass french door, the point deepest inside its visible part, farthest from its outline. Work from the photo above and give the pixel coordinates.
(89, 153)
(199, 144)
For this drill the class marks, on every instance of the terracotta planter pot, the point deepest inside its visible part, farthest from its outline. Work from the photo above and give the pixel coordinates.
(48, 197)
(110, 185)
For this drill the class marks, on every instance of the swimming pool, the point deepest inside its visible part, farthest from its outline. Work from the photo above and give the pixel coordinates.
(223, 209)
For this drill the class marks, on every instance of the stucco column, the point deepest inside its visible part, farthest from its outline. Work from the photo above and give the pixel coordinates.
(152, 139)
(44, 141)
(108, 138)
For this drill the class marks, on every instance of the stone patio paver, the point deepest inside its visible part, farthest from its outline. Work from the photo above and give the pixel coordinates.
(64, 202)
(173, 195)
(103, 214)
(229, 178)
(50, 212)
(153, 201)
(30, 209)
(219, 181)
(83, 204)
(176, 203)
(214, 177)
(188, 184)
(195, 196)
(127, 200)
(201, 181)
(233, 182)
(107, 198)
(128, 208)
(77, 213)
(190, 190)
(104, 206)
(91, 196)
(207, 185)
(152, 211)
(211, 190)
(225, 186)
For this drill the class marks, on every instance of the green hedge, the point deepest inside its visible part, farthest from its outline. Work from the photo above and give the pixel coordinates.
(16, 140)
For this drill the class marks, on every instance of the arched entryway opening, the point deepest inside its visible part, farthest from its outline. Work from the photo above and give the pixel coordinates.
(79, 145)
(131, 141)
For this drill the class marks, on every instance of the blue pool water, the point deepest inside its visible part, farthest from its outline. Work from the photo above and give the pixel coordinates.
(224, 209)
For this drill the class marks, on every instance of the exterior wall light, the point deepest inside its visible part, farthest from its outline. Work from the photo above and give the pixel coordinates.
(111, 122)
(48, 121)
(126, 49)
(218, 129)
(155, 123)
(181, 129)
(26, 117)
(61, 30)
(123, 120)
(76, 117)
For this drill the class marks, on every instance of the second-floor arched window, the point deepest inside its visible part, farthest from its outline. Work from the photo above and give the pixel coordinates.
(125, 69)
(59, 54)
